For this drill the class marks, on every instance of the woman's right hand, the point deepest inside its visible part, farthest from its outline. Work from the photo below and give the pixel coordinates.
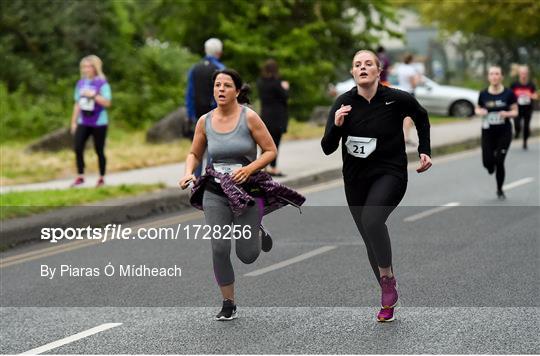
(481, 111)
(184, 182)
(339, 117)
(73, 128)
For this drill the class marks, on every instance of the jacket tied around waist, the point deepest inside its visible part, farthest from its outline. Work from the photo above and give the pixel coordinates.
(275, 194)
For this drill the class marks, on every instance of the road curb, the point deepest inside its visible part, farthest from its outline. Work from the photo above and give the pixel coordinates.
(168, 200)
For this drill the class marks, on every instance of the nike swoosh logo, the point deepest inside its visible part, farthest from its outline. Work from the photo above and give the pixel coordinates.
(389, 102)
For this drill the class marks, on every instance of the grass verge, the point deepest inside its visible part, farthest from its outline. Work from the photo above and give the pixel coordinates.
(125, 150)
(19, 204)
(438, 120)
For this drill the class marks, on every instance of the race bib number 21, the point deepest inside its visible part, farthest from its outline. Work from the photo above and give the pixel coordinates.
(360, 147)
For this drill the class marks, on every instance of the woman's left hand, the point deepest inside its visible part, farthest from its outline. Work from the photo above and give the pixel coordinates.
(425, 163)
(241, 175)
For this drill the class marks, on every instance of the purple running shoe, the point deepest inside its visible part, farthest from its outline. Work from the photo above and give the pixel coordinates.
(386, 315)
(389, 296)
(77, 182)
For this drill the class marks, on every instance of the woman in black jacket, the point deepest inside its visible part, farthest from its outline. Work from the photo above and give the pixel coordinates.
(274, 94)
(368, 121)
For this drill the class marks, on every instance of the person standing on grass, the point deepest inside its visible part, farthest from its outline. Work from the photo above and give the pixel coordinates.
(90, 118)
(274, 94)
(199, 93)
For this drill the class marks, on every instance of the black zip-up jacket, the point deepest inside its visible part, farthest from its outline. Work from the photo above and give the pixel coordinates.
(382, 118)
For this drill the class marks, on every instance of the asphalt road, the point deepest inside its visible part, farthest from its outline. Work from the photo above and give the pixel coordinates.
(466, 265)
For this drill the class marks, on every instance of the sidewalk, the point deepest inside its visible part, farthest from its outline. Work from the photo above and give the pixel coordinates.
(297, 159)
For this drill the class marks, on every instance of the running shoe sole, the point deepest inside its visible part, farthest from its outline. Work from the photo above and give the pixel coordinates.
(396, 307)
(382, 320)
(390, 307)
(224, 318)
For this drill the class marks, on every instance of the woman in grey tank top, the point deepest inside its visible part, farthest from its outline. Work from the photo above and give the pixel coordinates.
(231, 132)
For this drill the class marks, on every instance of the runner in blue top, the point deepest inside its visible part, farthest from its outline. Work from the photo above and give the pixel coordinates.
(92, 98)
(496, 105)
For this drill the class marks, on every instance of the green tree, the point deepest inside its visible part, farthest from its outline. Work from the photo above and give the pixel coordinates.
(505, 31)
(147, 46)
(312, 40)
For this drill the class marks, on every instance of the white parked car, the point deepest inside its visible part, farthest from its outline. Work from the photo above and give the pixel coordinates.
(435, 98)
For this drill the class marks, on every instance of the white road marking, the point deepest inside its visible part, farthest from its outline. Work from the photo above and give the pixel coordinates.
(290, 261)
(72, 338)
(429, 212)
(518, 183)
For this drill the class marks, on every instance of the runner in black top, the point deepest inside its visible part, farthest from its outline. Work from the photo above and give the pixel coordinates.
(368, 120)
(525, 92)
(497, 105)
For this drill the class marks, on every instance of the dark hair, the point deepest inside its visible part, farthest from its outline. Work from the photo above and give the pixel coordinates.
(408, 58)
(238, 84)
(270, 69)
(380, 49)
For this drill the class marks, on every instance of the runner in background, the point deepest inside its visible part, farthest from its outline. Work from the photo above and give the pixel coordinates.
(90, 118)
(525, 92)
(496, 105)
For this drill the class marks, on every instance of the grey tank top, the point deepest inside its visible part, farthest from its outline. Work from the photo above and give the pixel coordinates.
(236, 146)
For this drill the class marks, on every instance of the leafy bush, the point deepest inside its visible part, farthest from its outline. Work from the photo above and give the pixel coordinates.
(153, 85)
(25, 115)
(41, 47)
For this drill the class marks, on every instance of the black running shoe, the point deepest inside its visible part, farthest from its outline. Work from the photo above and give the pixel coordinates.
(500, 195)
(228, 311)
(266, 240)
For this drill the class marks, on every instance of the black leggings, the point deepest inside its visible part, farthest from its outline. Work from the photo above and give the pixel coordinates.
(524, 116)
(81, 136)
(276, 136)
(495, 144)
(371, 201)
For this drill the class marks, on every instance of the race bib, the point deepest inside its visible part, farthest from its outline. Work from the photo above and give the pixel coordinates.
(87, 104)
(360, 147)
(225, 168)
(493, 118)
(524, 100)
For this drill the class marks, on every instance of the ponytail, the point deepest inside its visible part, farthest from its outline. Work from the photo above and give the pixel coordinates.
(243, 96)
